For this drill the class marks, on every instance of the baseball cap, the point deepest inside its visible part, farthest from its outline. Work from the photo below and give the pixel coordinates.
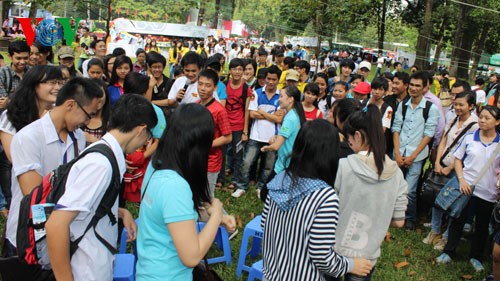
(365, 64)
(293, 75)
(65, 52)
(362, 88)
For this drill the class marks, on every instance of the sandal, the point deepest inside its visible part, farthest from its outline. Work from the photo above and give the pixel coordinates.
(231, 186)
(219, 184)
(228, 172)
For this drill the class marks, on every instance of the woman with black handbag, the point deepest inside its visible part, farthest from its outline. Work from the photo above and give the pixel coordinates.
(476, 162)
(443, 168)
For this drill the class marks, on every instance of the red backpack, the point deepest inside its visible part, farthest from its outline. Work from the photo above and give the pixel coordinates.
(37, 206)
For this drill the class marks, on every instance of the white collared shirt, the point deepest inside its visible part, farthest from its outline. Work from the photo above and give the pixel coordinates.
(87, 182)
(191, 94)
(37, 147)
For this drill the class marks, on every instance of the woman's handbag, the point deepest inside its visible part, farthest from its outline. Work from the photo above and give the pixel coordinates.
(433, 182)
(202, 272)
(431, 187)
(451, 200)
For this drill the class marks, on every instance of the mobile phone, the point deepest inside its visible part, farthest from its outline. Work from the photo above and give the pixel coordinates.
(185, 88)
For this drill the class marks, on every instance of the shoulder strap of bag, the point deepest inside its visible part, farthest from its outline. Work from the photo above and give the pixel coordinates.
(488, 164)
(109, 196)
(455, 141)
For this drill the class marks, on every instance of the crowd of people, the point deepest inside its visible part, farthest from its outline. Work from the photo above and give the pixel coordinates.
(315, 141)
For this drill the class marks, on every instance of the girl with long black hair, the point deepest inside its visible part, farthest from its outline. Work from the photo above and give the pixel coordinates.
(121, 67)
(174, 193)
(292, 122)
(365, 180)
(301, 211)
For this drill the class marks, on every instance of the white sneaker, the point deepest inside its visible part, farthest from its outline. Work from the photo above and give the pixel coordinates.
(238, 193)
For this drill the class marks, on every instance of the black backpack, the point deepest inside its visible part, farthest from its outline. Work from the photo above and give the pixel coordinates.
(51, 189)
(235, 102)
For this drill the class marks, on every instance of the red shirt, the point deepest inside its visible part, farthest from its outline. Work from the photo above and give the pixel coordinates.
(235, 106)
(314, 114)
(222, 128)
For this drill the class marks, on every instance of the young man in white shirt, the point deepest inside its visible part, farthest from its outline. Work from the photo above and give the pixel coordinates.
(130, 126)
(50, 141)
(185, 89)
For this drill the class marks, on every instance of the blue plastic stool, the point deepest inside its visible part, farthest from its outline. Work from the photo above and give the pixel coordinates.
(124, 268)
(222, 242)
(123, 242)
(252, 229)
(255, 271)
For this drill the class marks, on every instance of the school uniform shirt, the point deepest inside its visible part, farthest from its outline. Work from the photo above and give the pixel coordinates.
(289, 130)
(262, 129)
(415, 128)
(235, 106)
(386, 116)
(6, 126)
(474, 155)
(37, 147)
(87, 182)
(191, 94)
(453, 133)
(167, 198)
(222, 128)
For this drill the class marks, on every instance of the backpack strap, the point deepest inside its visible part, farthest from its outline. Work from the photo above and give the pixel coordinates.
(107, 200)
(244, 94)
(427, 108)
(425, 112)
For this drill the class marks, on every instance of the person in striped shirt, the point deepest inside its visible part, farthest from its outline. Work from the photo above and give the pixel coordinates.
(301, 212)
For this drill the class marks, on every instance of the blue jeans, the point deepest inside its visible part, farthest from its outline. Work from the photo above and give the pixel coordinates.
(251, 156)
(412, 176)
(437, 215)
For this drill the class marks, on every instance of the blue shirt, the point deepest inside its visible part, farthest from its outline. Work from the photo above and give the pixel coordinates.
(168, 199)
(114, 94)
(414, 128)
(289, 130)
(157, 131)
(221, 91)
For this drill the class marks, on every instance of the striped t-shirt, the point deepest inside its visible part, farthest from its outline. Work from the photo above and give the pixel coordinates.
(298, 244)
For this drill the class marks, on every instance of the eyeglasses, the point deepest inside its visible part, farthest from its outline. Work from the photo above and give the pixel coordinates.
(53, 82)
(89, 116)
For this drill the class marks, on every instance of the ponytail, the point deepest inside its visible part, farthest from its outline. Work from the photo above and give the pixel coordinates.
(294, 92)
(369, 123)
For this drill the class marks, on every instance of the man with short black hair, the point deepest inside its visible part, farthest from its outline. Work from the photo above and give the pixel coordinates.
(50, 141)
(130, 126)
(11, 75)
(303, 68)
(398, 67)
(413, 128)
(264, 109)
(480, 93)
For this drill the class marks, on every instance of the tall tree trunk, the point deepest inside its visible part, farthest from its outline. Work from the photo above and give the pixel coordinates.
(5, 9)
(108, 19)
(440, 44)
(463, 53)
(217, 11)
(478, 48)
(423, 38)
(381, 38)
(33, 8)
(457, 40)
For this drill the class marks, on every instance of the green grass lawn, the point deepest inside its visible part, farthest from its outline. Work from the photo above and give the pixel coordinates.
(403, 246)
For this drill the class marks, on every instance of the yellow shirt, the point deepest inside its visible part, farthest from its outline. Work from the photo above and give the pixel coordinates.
(282, 82)
(302, 86)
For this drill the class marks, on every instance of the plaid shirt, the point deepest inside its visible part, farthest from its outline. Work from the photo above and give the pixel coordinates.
(9, 81)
